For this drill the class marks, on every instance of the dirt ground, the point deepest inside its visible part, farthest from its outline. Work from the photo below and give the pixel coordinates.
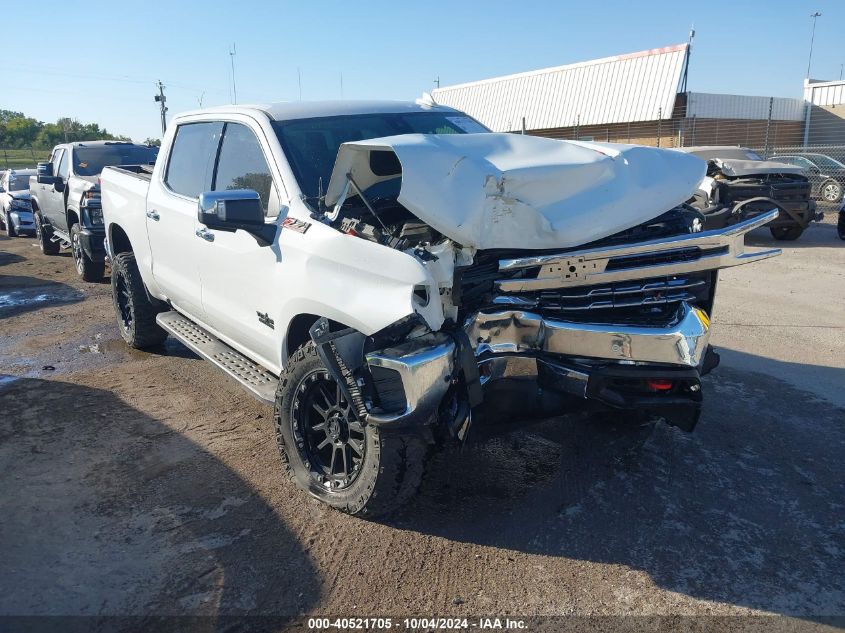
(148, 484)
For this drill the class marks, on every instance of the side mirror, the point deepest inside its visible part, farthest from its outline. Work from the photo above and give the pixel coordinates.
(235, 209)
(44, 174)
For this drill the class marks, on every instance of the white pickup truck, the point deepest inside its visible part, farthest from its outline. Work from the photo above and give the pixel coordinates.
(383, 273)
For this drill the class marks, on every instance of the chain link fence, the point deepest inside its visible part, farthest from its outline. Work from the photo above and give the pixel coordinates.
(22, 158)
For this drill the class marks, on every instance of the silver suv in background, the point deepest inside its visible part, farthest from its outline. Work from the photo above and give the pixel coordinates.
(15, 208)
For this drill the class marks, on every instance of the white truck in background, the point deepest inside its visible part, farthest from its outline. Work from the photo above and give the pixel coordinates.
(65, 195)
(373, 269)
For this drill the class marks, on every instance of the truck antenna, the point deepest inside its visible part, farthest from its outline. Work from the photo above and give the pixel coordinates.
(232, 52)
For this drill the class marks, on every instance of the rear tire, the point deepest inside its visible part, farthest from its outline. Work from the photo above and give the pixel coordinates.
(384, 467)
(87, 268)
(136, 314)
(786, 233)
(43, 235)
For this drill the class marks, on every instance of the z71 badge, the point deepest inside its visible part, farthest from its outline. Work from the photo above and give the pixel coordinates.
(300, 226)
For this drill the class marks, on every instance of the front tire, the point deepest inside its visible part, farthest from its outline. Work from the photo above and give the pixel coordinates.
(87, 268)
(358, 469)
(43, 235)
(136, 314)
(786, 233)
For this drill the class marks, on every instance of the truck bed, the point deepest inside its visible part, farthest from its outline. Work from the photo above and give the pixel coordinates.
(144, 172)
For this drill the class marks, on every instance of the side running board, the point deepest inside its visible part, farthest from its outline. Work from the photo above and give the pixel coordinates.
(253, 377)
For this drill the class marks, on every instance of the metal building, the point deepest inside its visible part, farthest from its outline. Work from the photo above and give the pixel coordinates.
(634, 98)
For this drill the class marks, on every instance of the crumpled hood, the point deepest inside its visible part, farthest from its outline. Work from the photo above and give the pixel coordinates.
(514, 191)
(737, 167)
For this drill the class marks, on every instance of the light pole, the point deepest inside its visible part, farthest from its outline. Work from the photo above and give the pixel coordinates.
(812, 37)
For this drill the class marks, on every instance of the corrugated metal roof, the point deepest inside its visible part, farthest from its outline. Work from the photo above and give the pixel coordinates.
(632, 87)
(825, 93)
(718, 106)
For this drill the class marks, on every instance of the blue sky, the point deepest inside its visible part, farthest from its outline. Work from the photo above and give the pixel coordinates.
(98, 61)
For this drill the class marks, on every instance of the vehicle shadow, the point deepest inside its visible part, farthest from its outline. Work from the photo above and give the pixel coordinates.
(9, 258)
(109, 512)
(747, 510)
(817, 234)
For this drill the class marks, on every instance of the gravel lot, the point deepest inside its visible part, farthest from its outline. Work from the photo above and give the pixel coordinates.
(147, 484)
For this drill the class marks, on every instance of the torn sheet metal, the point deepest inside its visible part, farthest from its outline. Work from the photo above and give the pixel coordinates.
(513, 191)
(735, 167)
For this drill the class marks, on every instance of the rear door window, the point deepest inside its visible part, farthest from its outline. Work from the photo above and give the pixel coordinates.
(191, 163)
(242, 165)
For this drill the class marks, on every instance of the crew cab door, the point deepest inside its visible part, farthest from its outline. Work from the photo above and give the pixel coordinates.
(238, 272)
(51, 198)
(171, 211)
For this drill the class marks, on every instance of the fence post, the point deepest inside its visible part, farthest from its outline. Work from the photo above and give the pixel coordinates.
(768, 127)
(577, 126)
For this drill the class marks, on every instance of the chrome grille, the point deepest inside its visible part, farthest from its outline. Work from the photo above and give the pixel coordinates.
(623, 294)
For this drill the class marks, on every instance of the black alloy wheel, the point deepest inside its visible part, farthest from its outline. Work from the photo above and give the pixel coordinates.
(330, 441)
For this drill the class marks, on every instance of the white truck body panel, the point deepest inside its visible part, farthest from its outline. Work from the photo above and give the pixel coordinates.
(511, 191)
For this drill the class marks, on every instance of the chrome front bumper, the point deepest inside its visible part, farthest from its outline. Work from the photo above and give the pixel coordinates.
(424, 366)
(707, 250)
(683, 343)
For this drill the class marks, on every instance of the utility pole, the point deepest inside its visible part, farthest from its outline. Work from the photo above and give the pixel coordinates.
(437, 82)
(812, 38)
(232, 52)
(161, 100)
(299, 80)
(686, 62)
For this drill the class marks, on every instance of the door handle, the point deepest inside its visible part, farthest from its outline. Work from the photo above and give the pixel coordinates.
(153, 215)
(205, 234)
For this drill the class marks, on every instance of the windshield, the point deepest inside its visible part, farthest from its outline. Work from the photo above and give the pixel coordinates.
(17, 182)
(89, 161)
(732, 153)
(311, 145)
(825, 161)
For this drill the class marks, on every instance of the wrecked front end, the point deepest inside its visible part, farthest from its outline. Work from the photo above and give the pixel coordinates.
(622, 322)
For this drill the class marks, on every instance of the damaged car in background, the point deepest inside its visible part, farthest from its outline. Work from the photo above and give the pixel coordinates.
(740, 185)
(374, 270)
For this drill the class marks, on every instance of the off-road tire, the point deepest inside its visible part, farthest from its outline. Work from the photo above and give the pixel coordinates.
(43, 235)
(393, 461)
(128, 293)
(840, 226)
(10, 228)
(786, 233)
(87, 268)
(831, 191)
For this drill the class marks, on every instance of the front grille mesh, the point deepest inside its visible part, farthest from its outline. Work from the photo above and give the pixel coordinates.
(651, 301)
